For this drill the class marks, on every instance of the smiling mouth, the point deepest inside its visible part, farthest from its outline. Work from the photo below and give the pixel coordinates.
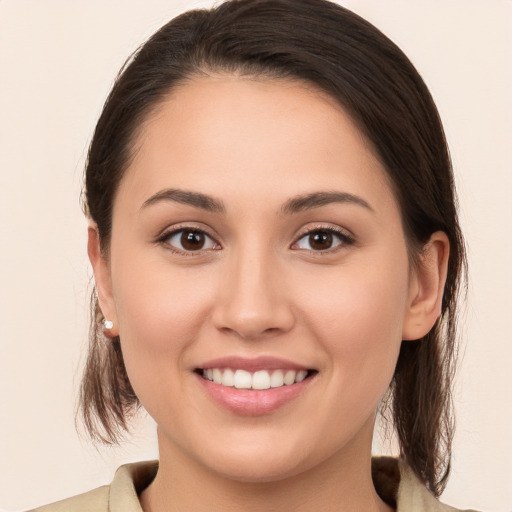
(259, 380)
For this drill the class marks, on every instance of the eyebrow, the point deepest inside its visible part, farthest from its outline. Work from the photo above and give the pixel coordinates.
(318, 199)
(294, 205)
(195, 199)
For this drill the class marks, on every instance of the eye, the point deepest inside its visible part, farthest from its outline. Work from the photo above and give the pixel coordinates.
(322, 240)
(189, 240)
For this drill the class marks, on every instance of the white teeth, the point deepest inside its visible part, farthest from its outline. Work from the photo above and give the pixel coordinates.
(301, 375)
(228, 378)
(289, 377)
(262, 379)
(217, 376)
(277, 379)
(242, 380)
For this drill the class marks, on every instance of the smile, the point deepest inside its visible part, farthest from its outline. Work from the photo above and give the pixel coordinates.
(254, 386)
(259, 380)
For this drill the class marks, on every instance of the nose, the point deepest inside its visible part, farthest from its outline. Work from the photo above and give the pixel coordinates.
(252, 300)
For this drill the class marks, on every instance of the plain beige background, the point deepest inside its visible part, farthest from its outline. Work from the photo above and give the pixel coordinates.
(57, 61)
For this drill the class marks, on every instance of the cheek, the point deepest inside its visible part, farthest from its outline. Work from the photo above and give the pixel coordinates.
(358, 319)
(158, 303)
(160, 316)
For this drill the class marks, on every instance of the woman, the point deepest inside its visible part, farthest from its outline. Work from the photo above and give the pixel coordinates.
(277, 255)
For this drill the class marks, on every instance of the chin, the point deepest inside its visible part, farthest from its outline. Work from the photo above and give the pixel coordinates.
(258, 472)
(263, 460)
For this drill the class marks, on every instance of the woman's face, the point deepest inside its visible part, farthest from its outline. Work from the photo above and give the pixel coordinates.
(256, 241)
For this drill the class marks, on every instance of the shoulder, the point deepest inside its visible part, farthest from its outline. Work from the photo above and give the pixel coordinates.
(120, 496)
(397, 484)
(413, 495)
(92, 501)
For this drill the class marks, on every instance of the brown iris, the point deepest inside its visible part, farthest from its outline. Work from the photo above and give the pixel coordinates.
(320, 240)
(192, 240)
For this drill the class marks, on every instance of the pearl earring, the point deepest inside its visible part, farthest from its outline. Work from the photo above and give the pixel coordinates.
(108, 324)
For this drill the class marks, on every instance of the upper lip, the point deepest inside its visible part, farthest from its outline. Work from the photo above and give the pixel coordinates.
(253, 364)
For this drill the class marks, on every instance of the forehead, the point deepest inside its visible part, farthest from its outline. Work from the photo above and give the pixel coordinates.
(245, 136)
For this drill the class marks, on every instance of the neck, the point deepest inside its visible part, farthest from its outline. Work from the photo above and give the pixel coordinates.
(340, 484)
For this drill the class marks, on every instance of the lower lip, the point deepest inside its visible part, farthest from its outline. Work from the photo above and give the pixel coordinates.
(250, 402)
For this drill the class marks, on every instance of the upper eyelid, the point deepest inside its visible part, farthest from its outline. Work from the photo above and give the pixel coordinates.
(168, 231)
(324, 227)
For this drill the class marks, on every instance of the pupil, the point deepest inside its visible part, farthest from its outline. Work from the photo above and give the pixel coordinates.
(192, 240)
(320, 240)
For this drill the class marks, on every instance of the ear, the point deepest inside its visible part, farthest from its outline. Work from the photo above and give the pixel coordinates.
(101, 271)
(426, 287)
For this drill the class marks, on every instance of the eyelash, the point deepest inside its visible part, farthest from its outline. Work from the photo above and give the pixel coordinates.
(342, 235)
(164, 240)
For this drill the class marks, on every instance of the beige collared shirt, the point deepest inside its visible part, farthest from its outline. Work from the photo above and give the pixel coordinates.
(394, 481)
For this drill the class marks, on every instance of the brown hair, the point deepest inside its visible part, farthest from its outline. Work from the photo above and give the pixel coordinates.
(340, 53)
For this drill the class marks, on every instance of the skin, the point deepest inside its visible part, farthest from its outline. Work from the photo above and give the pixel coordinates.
(260, 288)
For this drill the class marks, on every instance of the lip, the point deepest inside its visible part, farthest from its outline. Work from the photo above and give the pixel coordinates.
(253, 364)
(251, 402)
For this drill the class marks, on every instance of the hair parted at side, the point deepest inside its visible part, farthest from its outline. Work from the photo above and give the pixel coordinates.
(330, 47)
